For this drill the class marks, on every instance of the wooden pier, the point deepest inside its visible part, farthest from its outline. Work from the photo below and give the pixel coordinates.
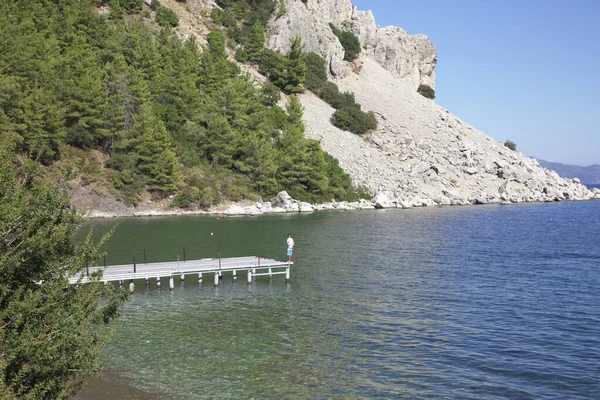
(253, 266)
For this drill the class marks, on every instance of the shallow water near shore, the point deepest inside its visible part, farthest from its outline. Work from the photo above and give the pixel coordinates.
(458, 302)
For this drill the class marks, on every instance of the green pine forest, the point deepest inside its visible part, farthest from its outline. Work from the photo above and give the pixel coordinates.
(106, 94)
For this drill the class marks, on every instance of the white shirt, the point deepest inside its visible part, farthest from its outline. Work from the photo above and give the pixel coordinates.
(290, 243)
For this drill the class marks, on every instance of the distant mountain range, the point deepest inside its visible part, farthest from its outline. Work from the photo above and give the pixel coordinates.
(587, 175)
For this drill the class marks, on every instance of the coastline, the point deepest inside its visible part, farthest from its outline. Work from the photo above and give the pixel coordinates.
(283, 203)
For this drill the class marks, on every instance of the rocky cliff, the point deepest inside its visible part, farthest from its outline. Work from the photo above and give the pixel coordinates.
(421, 154)
(411, 58)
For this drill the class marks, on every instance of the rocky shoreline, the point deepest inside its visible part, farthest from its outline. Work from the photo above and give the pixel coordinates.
(283, 203)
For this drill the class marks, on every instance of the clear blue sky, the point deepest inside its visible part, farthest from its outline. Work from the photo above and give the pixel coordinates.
(524, 70)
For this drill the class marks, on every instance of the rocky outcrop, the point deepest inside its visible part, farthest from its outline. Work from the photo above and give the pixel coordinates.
(423, 155)
(412, 58)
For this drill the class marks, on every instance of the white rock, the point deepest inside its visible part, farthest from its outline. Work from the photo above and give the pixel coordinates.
(305, 207)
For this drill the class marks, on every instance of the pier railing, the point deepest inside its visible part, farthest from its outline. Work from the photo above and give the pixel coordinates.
(253, 266)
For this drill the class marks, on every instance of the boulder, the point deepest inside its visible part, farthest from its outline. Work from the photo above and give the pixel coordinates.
(304, 207)
(282, 199)
(383, 200)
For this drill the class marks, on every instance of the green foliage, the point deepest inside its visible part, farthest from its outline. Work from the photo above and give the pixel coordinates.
(187, 197)
(132, 6)
(426, 91)
(51, 331)
(255, 41)
(156, 159)
(269, 62)
(349, 115)
(511, 145)
(290, 74)
(349, 42)
(316, 74)
(270, 94)
(282, 8)
(158, 108)
(166, 17)
(352, 119)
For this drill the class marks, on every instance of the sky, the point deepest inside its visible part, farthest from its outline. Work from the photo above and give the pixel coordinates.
(521, 70)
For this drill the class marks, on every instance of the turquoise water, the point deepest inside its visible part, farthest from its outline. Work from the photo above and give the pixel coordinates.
(458, 302)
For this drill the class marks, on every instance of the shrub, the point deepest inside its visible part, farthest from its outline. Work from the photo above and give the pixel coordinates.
(270, 94)
(132, 6)
(349, 42)
(187, 197)
(269, 61)
(241, 55)
(352, 119)
(511, 145)
(166, 17)
(316, 74)
(426, 91)
(328, 92)
(342, 100)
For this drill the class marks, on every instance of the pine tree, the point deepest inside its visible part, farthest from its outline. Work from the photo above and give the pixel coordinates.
(290, 75)
(41, 124)
(156, 159)
(256, 159)
(295, 113)
(255, 41)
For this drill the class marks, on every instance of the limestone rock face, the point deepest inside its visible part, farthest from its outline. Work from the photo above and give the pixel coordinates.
(311, 21)
(412, 58)
(422, 155)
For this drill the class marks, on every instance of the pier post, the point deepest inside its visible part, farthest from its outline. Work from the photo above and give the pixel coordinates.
(234, 278)
(220, 273)
(270, 273)
(147, 281)
(287, 274)
(182, 277)
(216, 279)
(131, 286)
(249, 276)
(120, 282)
(158, 281)
(199, 277)
(171, 283)
(134, 269)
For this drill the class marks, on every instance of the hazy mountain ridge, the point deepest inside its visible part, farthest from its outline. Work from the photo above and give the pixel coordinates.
(586, 174)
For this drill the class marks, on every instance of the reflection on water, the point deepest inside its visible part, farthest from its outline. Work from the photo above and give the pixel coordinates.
(461, 302)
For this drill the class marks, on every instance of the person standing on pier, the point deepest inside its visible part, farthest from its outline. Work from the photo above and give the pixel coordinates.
(290, 245)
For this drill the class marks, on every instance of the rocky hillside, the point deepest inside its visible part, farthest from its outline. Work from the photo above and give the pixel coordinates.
(421, 154)
(412, 58)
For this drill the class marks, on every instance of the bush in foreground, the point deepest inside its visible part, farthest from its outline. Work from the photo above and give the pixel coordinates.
(51, 331)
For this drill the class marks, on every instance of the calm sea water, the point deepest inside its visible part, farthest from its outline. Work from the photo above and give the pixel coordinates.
(475, 302)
